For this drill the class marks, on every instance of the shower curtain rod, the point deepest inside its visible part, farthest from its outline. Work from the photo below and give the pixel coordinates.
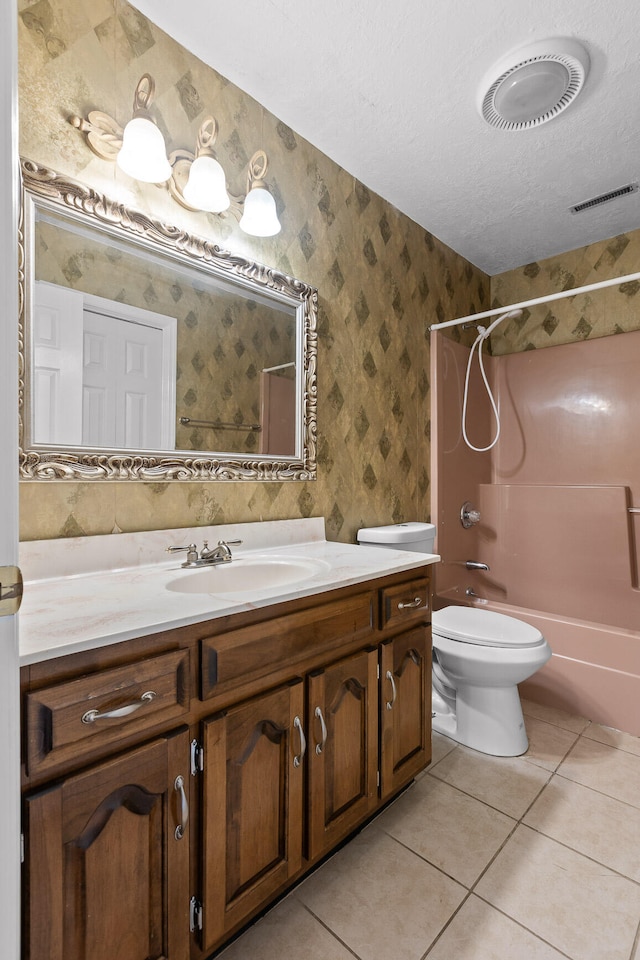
(279, 366)
(531, 303)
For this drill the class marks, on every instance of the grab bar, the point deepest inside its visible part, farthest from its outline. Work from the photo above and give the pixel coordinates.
(220, 425)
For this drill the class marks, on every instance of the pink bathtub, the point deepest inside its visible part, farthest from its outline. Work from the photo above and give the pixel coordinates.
(559, 499)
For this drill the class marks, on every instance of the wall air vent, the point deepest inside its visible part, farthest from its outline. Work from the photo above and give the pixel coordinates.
(605, 198)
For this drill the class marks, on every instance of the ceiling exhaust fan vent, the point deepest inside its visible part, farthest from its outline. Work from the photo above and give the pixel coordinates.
(533, 84)
(605, 198)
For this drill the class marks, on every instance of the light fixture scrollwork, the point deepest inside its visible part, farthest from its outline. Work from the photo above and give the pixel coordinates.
(196, 180)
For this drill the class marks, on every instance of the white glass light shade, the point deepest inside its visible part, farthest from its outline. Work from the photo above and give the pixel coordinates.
(144, 155)
(206, 187)
(532, 90)
(259, 217)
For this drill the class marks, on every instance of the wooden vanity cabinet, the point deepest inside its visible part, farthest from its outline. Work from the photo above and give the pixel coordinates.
(252, 807)
(296, 726)
(106, 861)
(342, 751)
(405, 709)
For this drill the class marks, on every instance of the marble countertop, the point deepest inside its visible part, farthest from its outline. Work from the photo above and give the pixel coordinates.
(94, 591)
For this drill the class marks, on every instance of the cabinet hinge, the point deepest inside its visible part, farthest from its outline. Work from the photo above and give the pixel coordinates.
(195, 915)
(197, 758)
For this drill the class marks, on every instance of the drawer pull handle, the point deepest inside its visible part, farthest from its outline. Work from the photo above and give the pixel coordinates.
(178, 786)
(394, 692)
(323, 727)
(410, 604)
(92, 715)
(303, 743)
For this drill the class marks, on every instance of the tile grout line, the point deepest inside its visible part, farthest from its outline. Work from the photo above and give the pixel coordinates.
(328, 929)
(600, 793)
(522, 926)
(635, 945)
(550, 774)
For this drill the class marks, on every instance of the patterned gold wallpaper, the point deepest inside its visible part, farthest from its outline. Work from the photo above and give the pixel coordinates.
(598, 314)
(382, 279)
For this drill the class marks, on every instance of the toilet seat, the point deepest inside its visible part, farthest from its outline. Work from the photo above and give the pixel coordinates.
(484, 627)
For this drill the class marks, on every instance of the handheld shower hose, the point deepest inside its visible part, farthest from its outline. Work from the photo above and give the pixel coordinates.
(483, 334)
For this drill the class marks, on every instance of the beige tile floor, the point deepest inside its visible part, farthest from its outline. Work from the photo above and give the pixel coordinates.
(483, 858)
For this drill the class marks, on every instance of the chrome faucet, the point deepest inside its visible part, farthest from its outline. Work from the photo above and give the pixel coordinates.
(208, 557)
(219, 554)
(474, 565)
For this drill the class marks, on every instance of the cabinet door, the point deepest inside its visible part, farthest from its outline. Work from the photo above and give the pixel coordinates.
(252, 806)
(343, 749)
(107, 877)
(405, 708)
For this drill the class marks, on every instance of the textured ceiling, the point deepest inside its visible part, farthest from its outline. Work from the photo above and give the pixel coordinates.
(388, 88)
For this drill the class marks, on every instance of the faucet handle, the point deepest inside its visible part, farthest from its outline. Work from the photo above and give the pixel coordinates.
(192, 552)
(469, 515)
(229, 543)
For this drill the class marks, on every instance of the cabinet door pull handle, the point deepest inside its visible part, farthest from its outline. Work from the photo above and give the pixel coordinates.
(92, 715)
(303, 743)
(323, 727)
(394, 692)
(410, 604)
(178, 786)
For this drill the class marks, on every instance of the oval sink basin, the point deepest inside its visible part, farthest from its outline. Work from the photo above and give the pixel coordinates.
(247, 575)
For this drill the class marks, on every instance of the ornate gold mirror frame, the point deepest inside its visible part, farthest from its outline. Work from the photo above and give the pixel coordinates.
(46, 188)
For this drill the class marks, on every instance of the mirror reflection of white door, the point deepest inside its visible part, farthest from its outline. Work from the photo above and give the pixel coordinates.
(57, 368)
(103, 372)
(121, 384)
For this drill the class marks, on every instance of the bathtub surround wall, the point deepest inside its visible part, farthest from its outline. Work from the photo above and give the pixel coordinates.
(382, 279)
(554, 493)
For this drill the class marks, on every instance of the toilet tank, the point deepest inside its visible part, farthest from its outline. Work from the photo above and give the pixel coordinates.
(414, 536)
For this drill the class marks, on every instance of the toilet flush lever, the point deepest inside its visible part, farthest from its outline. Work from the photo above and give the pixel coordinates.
(474, 565)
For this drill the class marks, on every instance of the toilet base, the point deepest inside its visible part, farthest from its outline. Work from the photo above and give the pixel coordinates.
(488, 719)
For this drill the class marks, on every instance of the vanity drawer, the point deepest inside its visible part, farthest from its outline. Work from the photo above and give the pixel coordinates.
(241, 656)
(405, 603)
(78, 716)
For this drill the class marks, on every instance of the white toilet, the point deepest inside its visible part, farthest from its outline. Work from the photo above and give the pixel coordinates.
(479, 657)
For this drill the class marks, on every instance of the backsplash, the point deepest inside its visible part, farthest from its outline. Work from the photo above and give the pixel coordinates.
(587, 316)
(382, 279)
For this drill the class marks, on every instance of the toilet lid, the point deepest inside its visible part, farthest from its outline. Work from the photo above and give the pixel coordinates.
(484, 627)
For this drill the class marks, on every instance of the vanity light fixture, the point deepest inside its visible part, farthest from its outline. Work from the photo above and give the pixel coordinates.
(143, 154)
(205, 188)
(197, 181)
(139, 149)
(260, 218)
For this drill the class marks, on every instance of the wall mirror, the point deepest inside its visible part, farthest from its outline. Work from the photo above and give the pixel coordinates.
(149, 353)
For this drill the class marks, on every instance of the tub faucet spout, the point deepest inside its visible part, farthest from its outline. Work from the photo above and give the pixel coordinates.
(474, 565)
